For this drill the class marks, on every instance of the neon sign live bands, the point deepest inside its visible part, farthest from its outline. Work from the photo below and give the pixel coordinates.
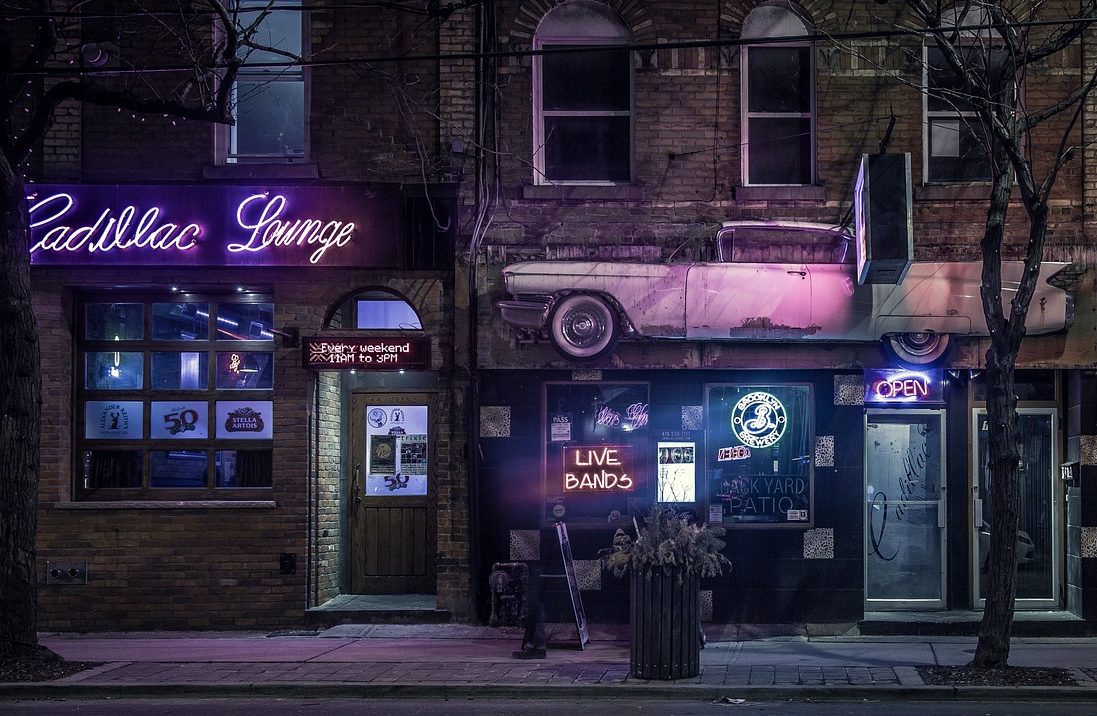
(211, 225)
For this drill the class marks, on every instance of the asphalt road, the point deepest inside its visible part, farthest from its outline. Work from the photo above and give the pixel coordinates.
(503, 707)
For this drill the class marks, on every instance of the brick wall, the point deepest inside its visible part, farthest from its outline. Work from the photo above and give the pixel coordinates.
(687, 162)
(216, 565)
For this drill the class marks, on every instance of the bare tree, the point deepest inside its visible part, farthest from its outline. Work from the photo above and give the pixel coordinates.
(183, 63)
(989, 49)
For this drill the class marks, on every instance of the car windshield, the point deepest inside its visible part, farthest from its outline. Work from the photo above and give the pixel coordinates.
(778, 244)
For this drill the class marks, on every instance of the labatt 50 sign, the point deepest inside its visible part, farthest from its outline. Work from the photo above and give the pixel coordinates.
(204, 225)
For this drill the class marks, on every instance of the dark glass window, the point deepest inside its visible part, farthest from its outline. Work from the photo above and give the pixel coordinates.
(956, 146)
(759, 445)
(245, 322)
(180, 321)
(270, 100)
(114, 321)
(778, 87)
(584, 98)
(166, 437)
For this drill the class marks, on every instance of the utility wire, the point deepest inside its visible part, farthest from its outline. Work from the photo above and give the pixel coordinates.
(828, 38)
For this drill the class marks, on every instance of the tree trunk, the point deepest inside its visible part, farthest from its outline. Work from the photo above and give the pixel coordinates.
(994, 633)
(20, 410)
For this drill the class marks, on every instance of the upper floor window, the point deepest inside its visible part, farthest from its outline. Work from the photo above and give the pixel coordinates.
(956, 147)
(582, 97)
(778, 99)
(269, 100)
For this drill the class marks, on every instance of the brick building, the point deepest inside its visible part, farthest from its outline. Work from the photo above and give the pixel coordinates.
(733, 112)
(484, 140)
(195, 472)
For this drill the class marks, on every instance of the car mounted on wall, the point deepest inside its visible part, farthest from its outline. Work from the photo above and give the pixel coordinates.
(810, 294)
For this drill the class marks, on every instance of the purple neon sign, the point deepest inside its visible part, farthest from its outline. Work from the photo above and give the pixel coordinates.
(215, 225)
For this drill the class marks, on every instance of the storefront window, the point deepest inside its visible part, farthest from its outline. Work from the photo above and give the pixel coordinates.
(157, 420)
(759, 446)
(598, 455)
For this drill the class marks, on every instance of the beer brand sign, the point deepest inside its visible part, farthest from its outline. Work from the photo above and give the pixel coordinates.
(209, 225)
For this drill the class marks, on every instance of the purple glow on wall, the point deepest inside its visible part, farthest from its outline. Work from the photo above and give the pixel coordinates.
(215, 225)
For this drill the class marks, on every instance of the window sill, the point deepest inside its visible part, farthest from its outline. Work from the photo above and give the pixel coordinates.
(261, 170)
(952, 192)
(583, 192)
(780, 193)
(166, 505)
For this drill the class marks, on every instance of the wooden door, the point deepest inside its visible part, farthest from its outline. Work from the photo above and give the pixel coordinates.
(391, 488)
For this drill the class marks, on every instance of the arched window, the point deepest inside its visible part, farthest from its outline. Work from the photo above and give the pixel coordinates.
(778, 99)
(955, 141)
(374, 310)
(582, 98)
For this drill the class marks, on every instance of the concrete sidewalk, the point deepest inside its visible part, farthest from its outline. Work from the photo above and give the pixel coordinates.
(451, 660)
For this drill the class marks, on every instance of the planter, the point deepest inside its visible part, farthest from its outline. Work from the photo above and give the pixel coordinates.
(665, 616)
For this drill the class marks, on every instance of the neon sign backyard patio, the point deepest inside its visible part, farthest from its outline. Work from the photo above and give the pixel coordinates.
(213, 225)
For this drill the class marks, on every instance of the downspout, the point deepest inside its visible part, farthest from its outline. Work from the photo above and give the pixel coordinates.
(483, 199)
(472, 431)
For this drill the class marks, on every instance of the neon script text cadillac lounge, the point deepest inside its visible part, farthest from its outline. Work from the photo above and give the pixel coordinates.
(259, 214)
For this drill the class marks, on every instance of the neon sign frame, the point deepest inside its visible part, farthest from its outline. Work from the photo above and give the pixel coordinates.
(210, 225)
(903, 387)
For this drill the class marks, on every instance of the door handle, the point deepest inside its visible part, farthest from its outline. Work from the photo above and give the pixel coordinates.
(356, 484)
(801, 274)
(978, 512)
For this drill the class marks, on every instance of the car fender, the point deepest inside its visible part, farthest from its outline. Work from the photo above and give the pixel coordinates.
(956, 325)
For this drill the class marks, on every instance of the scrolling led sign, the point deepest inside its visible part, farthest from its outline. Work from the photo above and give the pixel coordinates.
(208, 225)
(903, 386)
(366, 353)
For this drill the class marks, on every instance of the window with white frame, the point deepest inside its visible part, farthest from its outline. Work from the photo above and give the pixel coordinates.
(269, 93)
(955, 142)
(778, 99)
(582, 97)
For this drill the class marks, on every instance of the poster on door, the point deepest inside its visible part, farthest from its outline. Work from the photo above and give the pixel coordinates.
(396, 450)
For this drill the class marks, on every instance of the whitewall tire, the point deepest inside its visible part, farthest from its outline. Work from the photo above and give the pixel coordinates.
(583, 327)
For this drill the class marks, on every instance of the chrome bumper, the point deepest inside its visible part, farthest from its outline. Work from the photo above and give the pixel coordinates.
(524, 314)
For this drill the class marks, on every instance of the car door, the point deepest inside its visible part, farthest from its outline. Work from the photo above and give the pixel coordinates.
(748, 301)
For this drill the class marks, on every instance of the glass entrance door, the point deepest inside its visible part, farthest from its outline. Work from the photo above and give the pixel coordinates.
(904, 509)
(1038, 527)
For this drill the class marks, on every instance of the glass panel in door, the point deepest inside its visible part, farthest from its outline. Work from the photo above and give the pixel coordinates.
(1038, 528)
(904, 509)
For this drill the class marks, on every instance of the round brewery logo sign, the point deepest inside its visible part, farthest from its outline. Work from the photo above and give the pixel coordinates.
(758, 419)
(114, 419)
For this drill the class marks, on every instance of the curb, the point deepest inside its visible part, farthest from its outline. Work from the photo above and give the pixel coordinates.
(37, 691)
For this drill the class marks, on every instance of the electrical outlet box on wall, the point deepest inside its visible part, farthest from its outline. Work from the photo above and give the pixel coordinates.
(66, 572)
